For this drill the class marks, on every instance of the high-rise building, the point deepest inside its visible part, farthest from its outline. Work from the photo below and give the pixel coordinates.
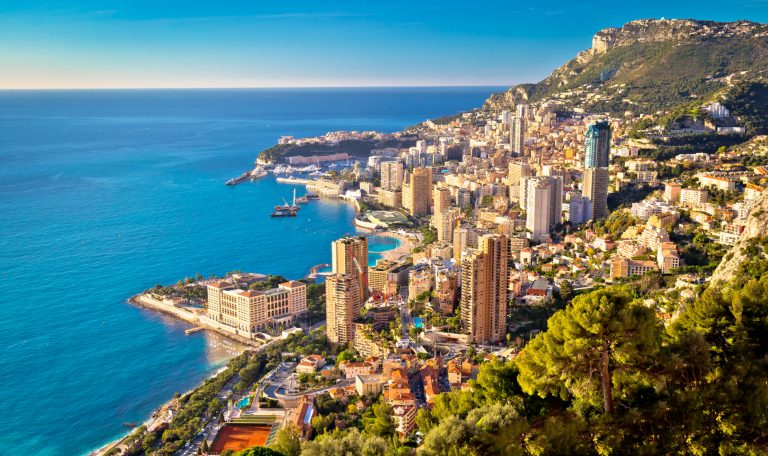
(521, 111)
(342, 295)
(463, 198)
(596, 189)
(517, 138)
(544, 204)
(448, 221)
(597, 150)
(464, 237)
(597, 147)
(391, 175)
(516, 172)
(485, 278)
(579, 209)
(417, 193)
(349, 256)
(441, 200)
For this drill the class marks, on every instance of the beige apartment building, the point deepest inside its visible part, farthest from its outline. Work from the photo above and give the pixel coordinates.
(390, 198)
(485, 277)
(624, 267)
(391, 175)
(417, 194)
(342, 298)
(253, 310)
(441, 200)
(349, 255)
(596, 189)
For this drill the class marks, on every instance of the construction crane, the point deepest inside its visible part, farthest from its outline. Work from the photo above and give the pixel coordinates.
(364, 276)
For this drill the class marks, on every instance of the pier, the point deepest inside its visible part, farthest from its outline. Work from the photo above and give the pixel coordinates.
(294, 180)
(193, 330)
(315, 271)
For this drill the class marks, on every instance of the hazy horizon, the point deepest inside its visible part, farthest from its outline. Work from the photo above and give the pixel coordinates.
(120, 44)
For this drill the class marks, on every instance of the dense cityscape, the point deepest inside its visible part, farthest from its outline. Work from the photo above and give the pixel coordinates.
(551, 294)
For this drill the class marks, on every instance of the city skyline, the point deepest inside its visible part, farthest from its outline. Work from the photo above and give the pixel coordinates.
(117, 44)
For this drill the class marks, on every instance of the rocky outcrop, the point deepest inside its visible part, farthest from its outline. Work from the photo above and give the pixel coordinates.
(660, 63)
(756, 228)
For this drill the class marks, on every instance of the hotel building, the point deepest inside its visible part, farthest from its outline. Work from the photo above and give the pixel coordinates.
(250, 311)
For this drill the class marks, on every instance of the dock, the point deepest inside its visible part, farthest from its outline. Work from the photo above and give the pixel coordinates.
(193, 330)
(294, 180)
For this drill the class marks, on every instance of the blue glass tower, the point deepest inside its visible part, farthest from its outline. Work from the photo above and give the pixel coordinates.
(598, 145)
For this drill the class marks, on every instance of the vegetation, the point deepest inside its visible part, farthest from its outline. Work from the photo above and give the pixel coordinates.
(355, 148)
(315, 303)
(616, 223)
(258, 451)
(270, 282)
(646, 76)
(429, 235)
(749, 101)
(607, 378)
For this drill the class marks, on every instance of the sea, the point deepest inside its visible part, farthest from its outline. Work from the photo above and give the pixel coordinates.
(104, 193)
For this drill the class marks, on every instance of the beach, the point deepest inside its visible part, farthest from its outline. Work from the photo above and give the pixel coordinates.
(404, 248)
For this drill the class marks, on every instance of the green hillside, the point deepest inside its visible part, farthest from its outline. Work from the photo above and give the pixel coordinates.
(651, 65)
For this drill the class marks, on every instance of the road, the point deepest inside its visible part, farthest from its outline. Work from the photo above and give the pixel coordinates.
(210, 429)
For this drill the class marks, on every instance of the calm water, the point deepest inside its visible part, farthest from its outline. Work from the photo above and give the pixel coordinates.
(106, 193)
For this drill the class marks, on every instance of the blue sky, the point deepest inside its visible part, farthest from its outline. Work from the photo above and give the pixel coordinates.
(265, 43)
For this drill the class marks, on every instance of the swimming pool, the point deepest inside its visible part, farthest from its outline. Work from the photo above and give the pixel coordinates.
(244, 402)
(417, 322)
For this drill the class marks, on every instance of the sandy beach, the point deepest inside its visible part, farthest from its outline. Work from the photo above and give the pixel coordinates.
(404, 249)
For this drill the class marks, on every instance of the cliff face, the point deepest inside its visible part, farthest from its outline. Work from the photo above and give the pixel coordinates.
(649, 64)
(756, 228)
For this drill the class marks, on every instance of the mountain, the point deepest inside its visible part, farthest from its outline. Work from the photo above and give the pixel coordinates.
(649, 65)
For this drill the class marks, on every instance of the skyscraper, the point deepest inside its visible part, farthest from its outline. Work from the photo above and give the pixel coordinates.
(463, 198)
(544, 204)
(597, 150)
(342, 293)
(417, 193)
(596, 189)
(517, 139)
(391, 175)
(441, 200)
(448, 221)
(350, 257)
(597, 146)
(517, 171)
(485, 278)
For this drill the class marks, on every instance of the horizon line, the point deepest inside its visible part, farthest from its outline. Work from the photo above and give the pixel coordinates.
(374, 86)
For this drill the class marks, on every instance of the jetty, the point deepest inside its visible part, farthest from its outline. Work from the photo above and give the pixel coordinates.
(193, 316)
(294, 180)
(315, 271)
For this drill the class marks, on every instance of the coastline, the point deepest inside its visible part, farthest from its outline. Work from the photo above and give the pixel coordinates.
(404, 248)
(142, 300)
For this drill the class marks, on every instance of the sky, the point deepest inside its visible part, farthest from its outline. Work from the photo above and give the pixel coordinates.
(312, 43)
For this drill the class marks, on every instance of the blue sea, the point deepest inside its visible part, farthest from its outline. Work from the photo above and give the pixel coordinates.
(106, 193)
